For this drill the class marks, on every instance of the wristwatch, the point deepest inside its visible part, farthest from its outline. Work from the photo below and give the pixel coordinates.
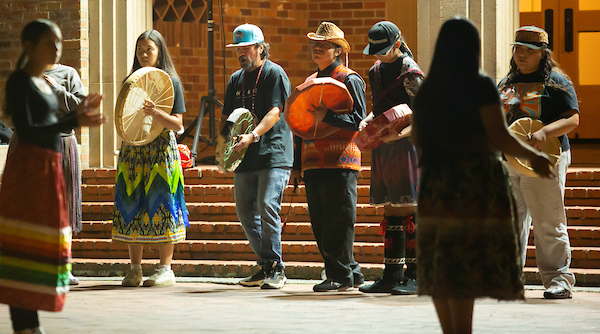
(256, 136)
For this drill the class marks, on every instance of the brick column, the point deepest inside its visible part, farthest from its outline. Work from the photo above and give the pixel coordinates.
(114, 28)
(496, 20)
(72, 18)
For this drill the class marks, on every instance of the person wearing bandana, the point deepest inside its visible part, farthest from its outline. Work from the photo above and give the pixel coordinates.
(539, 89)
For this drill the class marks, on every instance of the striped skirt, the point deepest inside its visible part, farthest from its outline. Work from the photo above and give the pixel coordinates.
(35, 235)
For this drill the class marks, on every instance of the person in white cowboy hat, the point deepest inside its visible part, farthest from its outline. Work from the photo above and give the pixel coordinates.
(331, 168)
(262, 87)
(546, 93)
(395, 79)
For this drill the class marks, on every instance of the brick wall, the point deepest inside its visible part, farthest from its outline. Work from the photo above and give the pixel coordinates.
(72, 18)
(285, 24)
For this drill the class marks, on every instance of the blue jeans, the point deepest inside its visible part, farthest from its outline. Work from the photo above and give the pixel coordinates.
(258, 197)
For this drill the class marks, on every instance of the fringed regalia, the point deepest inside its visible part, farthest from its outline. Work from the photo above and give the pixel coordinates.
(149, 201)
(72, 175)
(35, 235)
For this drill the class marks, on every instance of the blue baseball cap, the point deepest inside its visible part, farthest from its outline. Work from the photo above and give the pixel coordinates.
(246, 34)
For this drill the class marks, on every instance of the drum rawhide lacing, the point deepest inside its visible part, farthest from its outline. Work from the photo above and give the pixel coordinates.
(132, 124)
(523, 128)
(240, 122)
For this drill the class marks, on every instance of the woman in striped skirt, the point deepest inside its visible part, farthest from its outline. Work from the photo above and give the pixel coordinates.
(35, 233)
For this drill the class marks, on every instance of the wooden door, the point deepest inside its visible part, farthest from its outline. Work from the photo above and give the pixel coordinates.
(574, 30)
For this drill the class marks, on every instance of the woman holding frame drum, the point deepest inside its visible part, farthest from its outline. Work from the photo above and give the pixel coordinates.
(544, 92)
(149, 202)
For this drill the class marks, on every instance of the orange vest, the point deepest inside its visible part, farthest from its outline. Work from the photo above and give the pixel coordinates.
(336, 151)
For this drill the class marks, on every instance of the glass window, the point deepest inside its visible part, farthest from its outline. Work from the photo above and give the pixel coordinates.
(589, 5)
(589, 49)
(530, 6)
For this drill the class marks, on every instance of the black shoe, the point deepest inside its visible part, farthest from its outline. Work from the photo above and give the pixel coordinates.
(408, 287)
(329, 285)
(381, 285)
(556, 292)
(275, 277)
(254, 280)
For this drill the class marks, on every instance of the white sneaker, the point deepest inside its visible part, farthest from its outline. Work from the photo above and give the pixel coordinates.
(73, 280)
(133, 278)
(162, 277)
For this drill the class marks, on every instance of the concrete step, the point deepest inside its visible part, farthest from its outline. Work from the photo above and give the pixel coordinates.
(293, 231)
(581, 257)
(208, 175)
(583, 177)
(296, 270)
(301, 231)
(582, 196)
(364, 252)
(576, 176)
(212, 193)
(208, 268)
(298, 212)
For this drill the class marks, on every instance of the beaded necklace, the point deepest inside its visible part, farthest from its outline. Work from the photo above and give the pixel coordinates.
(253, 90)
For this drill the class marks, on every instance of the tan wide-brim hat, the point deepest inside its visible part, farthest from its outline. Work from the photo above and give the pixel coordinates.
(328, 31)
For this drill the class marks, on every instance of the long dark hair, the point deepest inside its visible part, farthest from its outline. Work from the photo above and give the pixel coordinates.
(547, 65)
(447, 97)
(32, 32)
(164, 61)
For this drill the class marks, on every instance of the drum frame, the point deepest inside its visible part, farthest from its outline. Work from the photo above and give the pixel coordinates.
(140, 85)
(523, 128)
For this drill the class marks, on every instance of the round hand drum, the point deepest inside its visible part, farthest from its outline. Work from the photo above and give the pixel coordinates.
(523, 128)
(151, 83)
(240, 122)
(307, 96)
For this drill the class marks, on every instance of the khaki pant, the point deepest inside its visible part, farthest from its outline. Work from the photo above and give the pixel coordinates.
(540, 201)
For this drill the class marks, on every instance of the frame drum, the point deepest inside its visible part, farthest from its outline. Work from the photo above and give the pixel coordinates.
(299, 105)
(135, 127)
(523, 128)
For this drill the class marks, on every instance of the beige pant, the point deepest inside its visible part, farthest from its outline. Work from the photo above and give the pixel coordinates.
(540, 201)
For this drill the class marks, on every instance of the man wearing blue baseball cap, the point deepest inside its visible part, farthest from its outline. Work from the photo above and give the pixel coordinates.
(395, 79)
(261, 86)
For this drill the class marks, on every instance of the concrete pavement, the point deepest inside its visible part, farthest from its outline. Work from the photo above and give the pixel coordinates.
(218, 306)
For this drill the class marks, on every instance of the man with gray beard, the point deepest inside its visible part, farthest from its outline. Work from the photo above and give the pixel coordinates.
(261, 86)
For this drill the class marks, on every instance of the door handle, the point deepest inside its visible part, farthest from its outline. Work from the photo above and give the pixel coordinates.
(569, 30)
(549, 26)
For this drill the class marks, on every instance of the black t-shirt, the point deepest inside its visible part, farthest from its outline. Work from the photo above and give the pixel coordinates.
(547, 103)
(394, 83)
(275, 148)
(178, 101)
(457, 129)
(34, 113)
